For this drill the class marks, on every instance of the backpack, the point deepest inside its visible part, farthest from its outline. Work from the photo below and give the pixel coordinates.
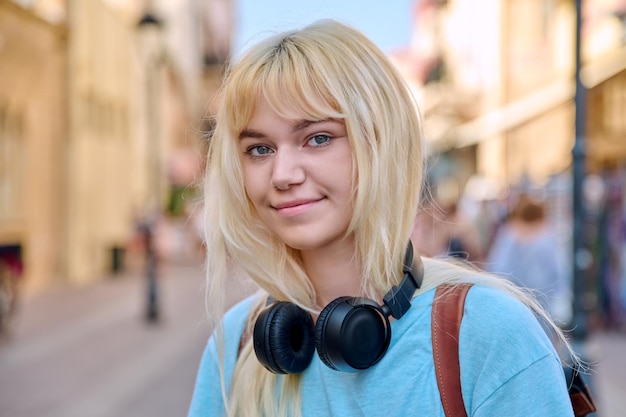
(447, 313)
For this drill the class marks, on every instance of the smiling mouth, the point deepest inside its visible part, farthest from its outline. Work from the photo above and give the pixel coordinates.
(295, 204)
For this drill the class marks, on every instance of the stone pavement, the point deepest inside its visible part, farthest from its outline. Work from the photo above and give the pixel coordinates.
(87, 351)
(605, 352)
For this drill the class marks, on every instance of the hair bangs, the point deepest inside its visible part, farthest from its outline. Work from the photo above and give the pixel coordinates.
(239, 100)
(294, 91)
(294, 86)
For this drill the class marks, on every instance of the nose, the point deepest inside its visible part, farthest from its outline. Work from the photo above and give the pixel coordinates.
(288, 169)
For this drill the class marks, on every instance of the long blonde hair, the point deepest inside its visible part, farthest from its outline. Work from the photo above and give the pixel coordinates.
(326, 70)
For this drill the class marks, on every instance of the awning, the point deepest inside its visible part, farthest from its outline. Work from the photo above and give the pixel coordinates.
(510, 116)
(532, 106)
(602, 69)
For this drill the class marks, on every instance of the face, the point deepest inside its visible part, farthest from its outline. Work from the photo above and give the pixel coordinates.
(297, 173)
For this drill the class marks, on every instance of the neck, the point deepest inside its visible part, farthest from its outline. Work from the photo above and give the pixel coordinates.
(333, 271)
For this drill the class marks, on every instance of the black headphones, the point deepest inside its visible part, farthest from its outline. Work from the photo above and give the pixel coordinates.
(351, 334)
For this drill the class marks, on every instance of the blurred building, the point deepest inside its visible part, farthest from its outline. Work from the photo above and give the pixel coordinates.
(496, 78)
(497, 81)
(94, 109)
(33, 137)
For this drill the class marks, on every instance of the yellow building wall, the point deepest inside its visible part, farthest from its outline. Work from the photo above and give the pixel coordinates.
(33, 139)
(606, 126)
(542, 147)
(86, 135)
(536, 50)
(104, 159)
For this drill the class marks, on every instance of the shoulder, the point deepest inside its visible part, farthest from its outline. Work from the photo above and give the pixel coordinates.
(232, 327)
(230, 331)
(491, 315)
(207, 397)
(237, 315)
(229, 334)
(499, 333)
(492, 304)
(490, 311)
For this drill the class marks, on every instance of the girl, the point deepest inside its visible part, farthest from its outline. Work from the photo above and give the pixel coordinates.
(313, 183)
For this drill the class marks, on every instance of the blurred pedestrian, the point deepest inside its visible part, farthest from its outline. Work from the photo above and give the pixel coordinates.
(526, 250)
(313, 182)
(441, 230)
(462, 236)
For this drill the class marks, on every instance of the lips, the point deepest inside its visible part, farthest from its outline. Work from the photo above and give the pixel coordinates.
(294, 203)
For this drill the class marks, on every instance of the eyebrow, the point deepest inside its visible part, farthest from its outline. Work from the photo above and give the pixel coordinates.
(301, 124)
(249, 133)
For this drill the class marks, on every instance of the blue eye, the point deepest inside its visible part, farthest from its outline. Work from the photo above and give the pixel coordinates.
(258, 150)
(319, 140)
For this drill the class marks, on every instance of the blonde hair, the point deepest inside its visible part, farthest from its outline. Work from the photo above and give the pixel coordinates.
(326, 70)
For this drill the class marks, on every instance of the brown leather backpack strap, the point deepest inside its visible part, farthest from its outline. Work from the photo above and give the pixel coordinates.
(583, 402)
(245, 338)
(447, 313)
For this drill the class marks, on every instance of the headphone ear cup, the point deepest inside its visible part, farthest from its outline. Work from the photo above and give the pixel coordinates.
(284, 341)
(352, 334)
(320, 333)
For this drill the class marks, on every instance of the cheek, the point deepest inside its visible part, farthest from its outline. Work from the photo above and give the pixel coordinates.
(253, 185)
(344, 174)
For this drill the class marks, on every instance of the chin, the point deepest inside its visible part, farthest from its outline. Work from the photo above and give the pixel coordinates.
(312, 236)
(311, 242)
(302, 245)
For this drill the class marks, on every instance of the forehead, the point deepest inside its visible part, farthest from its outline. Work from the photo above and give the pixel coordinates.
(265, 119)
(296, 111)
(294, 102)
(291, 99)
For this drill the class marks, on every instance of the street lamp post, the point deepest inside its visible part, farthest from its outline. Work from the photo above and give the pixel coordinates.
(150, 28)
(580, 253)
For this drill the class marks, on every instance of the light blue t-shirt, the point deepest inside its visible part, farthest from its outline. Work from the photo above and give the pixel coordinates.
(508, 367)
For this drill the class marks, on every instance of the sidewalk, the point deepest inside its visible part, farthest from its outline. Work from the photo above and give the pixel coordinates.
(605, 352)
(89, 352)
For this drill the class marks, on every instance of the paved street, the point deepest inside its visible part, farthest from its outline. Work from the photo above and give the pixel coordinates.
(88, 351)
(608, 381)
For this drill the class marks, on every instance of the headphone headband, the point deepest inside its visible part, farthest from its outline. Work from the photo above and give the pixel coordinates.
(398, 300)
